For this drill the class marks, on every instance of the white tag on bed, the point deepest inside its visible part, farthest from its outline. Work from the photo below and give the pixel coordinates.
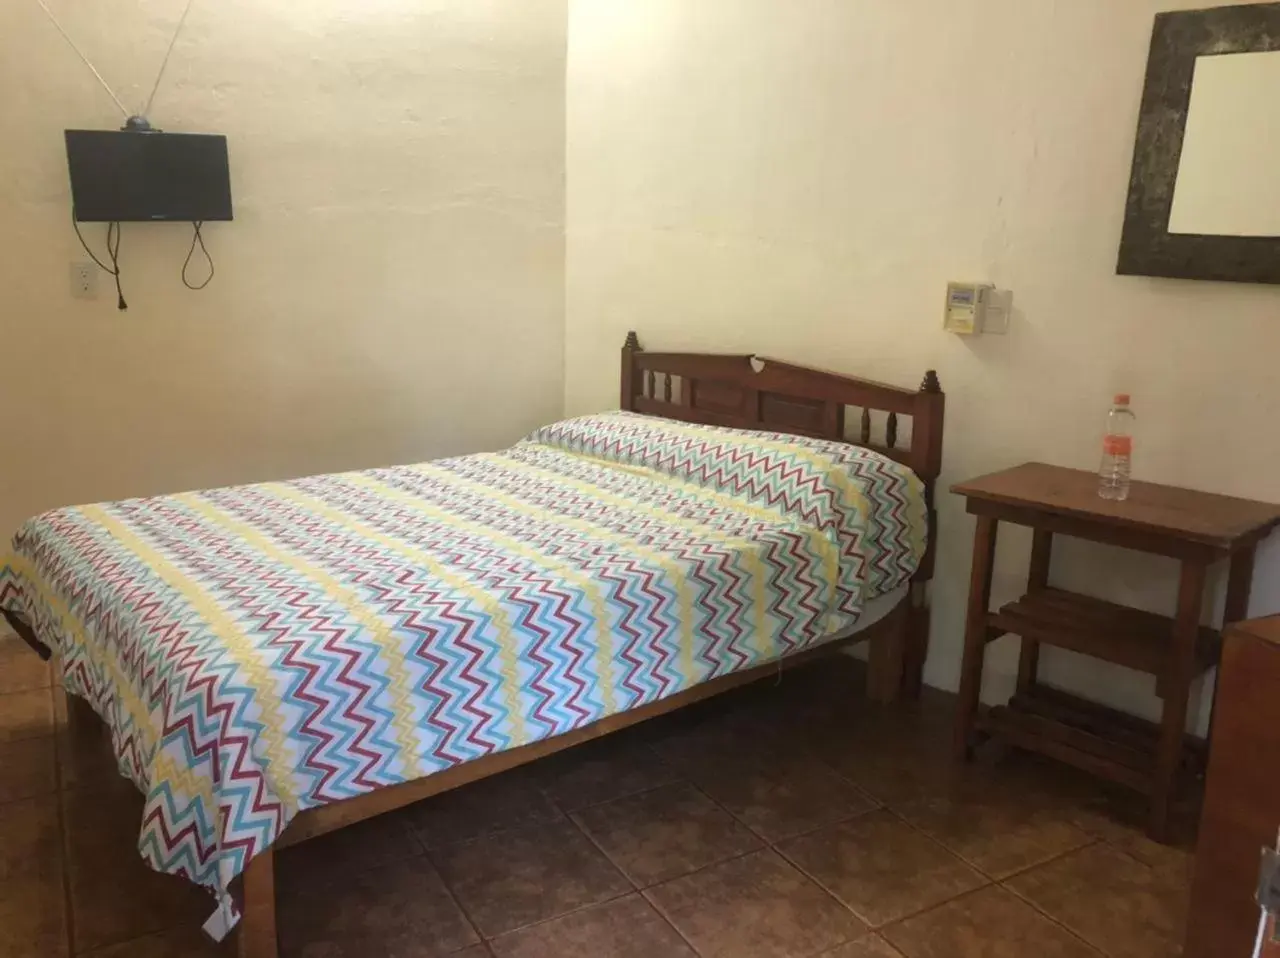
(223, 920)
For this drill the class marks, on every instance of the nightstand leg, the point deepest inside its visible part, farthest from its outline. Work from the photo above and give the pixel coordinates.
(1177, 689)
(975, 635)
(1239, 585)
(1037, 579)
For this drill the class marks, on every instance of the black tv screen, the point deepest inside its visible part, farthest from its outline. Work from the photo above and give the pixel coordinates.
(131, 177)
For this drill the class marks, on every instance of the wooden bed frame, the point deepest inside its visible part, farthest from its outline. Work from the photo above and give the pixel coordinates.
(738, 391)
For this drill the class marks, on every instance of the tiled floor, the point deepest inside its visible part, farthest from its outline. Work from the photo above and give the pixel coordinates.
(788, 820)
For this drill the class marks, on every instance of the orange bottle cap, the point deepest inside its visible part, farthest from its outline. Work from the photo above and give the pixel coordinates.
(1122, 399)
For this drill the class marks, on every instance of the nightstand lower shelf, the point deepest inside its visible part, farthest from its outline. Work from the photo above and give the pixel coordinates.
(1099, 740)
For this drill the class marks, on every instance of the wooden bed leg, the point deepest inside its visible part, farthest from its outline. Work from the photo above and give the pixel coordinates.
(885, 661)
(258, 913)
(917, 641)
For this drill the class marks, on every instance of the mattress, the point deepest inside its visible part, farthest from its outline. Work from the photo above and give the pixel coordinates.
(260, 650)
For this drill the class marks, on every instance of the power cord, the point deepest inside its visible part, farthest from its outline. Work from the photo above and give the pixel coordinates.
(113, 250)
(197, 237)
(113, 254)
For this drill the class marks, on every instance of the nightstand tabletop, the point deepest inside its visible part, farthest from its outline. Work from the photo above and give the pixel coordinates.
(1223, 522)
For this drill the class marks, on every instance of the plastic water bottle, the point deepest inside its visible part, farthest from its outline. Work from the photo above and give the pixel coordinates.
(1117, 450)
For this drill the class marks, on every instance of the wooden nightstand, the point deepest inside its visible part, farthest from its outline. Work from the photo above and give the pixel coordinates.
(1196, 528)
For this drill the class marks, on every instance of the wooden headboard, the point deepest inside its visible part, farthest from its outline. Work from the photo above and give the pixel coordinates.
(746, 392)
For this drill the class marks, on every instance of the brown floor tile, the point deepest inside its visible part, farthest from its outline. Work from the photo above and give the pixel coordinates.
(756, 905)
(1115, 903)
(21, 668)
(990, 923)
(32, 919)
(27, 768)
(30, 841)
(824, 696)
(115, 896)
(25, 715)
(397, 910)
(869, 946)
(1111, 812)
(850, 725)
(780, 799)
(624, 928)
(600, 771)
(348, 851)
(108, 912)
(509, 800)
(717, 728)
(1122, 824)
(892, 765)
(187, 942)
(665, 833)
(835, 718)
(512, 879)
(881, 867)
(1175, 862)
(996, 826)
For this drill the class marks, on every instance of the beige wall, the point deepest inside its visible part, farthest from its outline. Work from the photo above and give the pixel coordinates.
(391, 289)
(801, 179)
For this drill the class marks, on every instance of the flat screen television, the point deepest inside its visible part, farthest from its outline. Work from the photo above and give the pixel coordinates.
(132, 177)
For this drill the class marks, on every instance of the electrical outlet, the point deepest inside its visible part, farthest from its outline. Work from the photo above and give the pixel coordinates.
(84, 280)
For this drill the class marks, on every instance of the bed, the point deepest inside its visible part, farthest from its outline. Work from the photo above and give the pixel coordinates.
(276, 661)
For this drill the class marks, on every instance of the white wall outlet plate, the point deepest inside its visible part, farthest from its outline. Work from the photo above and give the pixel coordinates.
(999, 310)
(84, 280)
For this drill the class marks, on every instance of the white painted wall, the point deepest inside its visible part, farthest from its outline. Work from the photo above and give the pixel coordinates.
(801, 179)
(391, 289)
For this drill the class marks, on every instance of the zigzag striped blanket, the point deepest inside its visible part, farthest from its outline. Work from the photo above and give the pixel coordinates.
(264, 649)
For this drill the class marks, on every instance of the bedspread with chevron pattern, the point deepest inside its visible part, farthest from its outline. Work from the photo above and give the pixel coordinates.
(264, 649)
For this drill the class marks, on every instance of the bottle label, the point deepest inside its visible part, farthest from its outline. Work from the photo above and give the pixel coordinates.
(1117, 445)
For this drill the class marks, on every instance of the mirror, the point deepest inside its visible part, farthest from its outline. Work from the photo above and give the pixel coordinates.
(1229, 174)
(1204, 193)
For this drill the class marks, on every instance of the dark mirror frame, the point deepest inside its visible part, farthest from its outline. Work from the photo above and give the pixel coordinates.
(1147, 248)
